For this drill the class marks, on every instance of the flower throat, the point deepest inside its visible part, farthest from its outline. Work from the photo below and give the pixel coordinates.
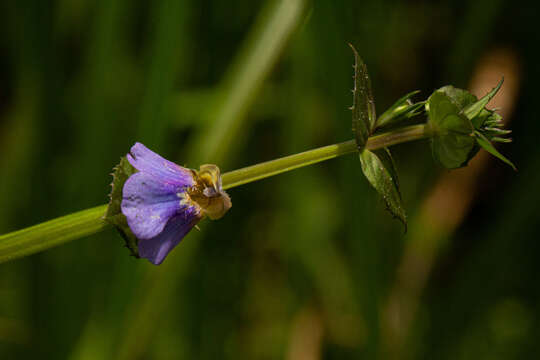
(208, 192)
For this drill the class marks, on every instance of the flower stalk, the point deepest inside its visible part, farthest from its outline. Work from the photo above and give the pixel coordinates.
(87, 222)
(274, 167)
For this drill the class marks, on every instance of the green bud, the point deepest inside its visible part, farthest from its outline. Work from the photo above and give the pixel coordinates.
(402, 109)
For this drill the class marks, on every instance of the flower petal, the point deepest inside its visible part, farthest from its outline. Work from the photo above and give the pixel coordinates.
(149, 203)
(157, 248)
(145, 160)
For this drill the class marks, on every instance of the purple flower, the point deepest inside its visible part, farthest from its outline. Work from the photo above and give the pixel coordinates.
(163, 201)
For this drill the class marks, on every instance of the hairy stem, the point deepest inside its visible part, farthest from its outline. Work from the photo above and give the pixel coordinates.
(83, 223)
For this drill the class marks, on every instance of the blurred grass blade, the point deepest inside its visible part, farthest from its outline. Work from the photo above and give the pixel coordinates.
(243, 80)
(214, 143)
(167, 53)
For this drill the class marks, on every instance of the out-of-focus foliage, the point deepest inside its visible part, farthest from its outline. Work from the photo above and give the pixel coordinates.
(307, 264)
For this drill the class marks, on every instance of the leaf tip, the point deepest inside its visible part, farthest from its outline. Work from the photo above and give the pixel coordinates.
(379, 169)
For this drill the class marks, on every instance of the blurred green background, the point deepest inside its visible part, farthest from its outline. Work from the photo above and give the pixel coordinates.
(307, 265)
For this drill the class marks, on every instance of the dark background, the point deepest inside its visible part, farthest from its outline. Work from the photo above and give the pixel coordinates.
(306, 265)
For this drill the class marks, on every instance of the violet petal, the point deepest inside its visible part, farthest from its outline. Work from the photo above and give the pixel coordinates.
(145, 160)
(157, 248)
(149, 203)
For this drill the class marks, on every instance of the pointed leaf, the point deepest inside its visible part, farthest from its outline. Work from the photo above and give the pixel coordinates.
(380, 171)
(497, 131)
(484, 142)
(485, 117)
(388, 161)
(501, 140)
(493, 119)
(403, 108)
(473, 110)
(363, 108)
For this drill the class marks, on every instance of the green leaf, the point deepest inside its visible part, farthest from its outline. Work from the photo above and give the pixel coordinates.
(501, 140)
(402, 109)
(461, 98)
(486, 144)
(496, 131)
(471, 107)
(473, 110)
(492, 119)
(114, 215)
(452, 142)
(484, 117)
(453, 150)
(379, 169)
(363, 108)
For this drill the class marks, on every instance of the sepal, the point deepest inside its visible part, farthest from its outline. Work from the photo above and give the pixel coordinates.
(114, 214)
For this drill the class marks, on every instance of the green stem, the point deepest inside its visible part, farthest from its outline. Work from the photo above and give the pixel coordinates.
(83, 223)
(274, 167)
(51, 233)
